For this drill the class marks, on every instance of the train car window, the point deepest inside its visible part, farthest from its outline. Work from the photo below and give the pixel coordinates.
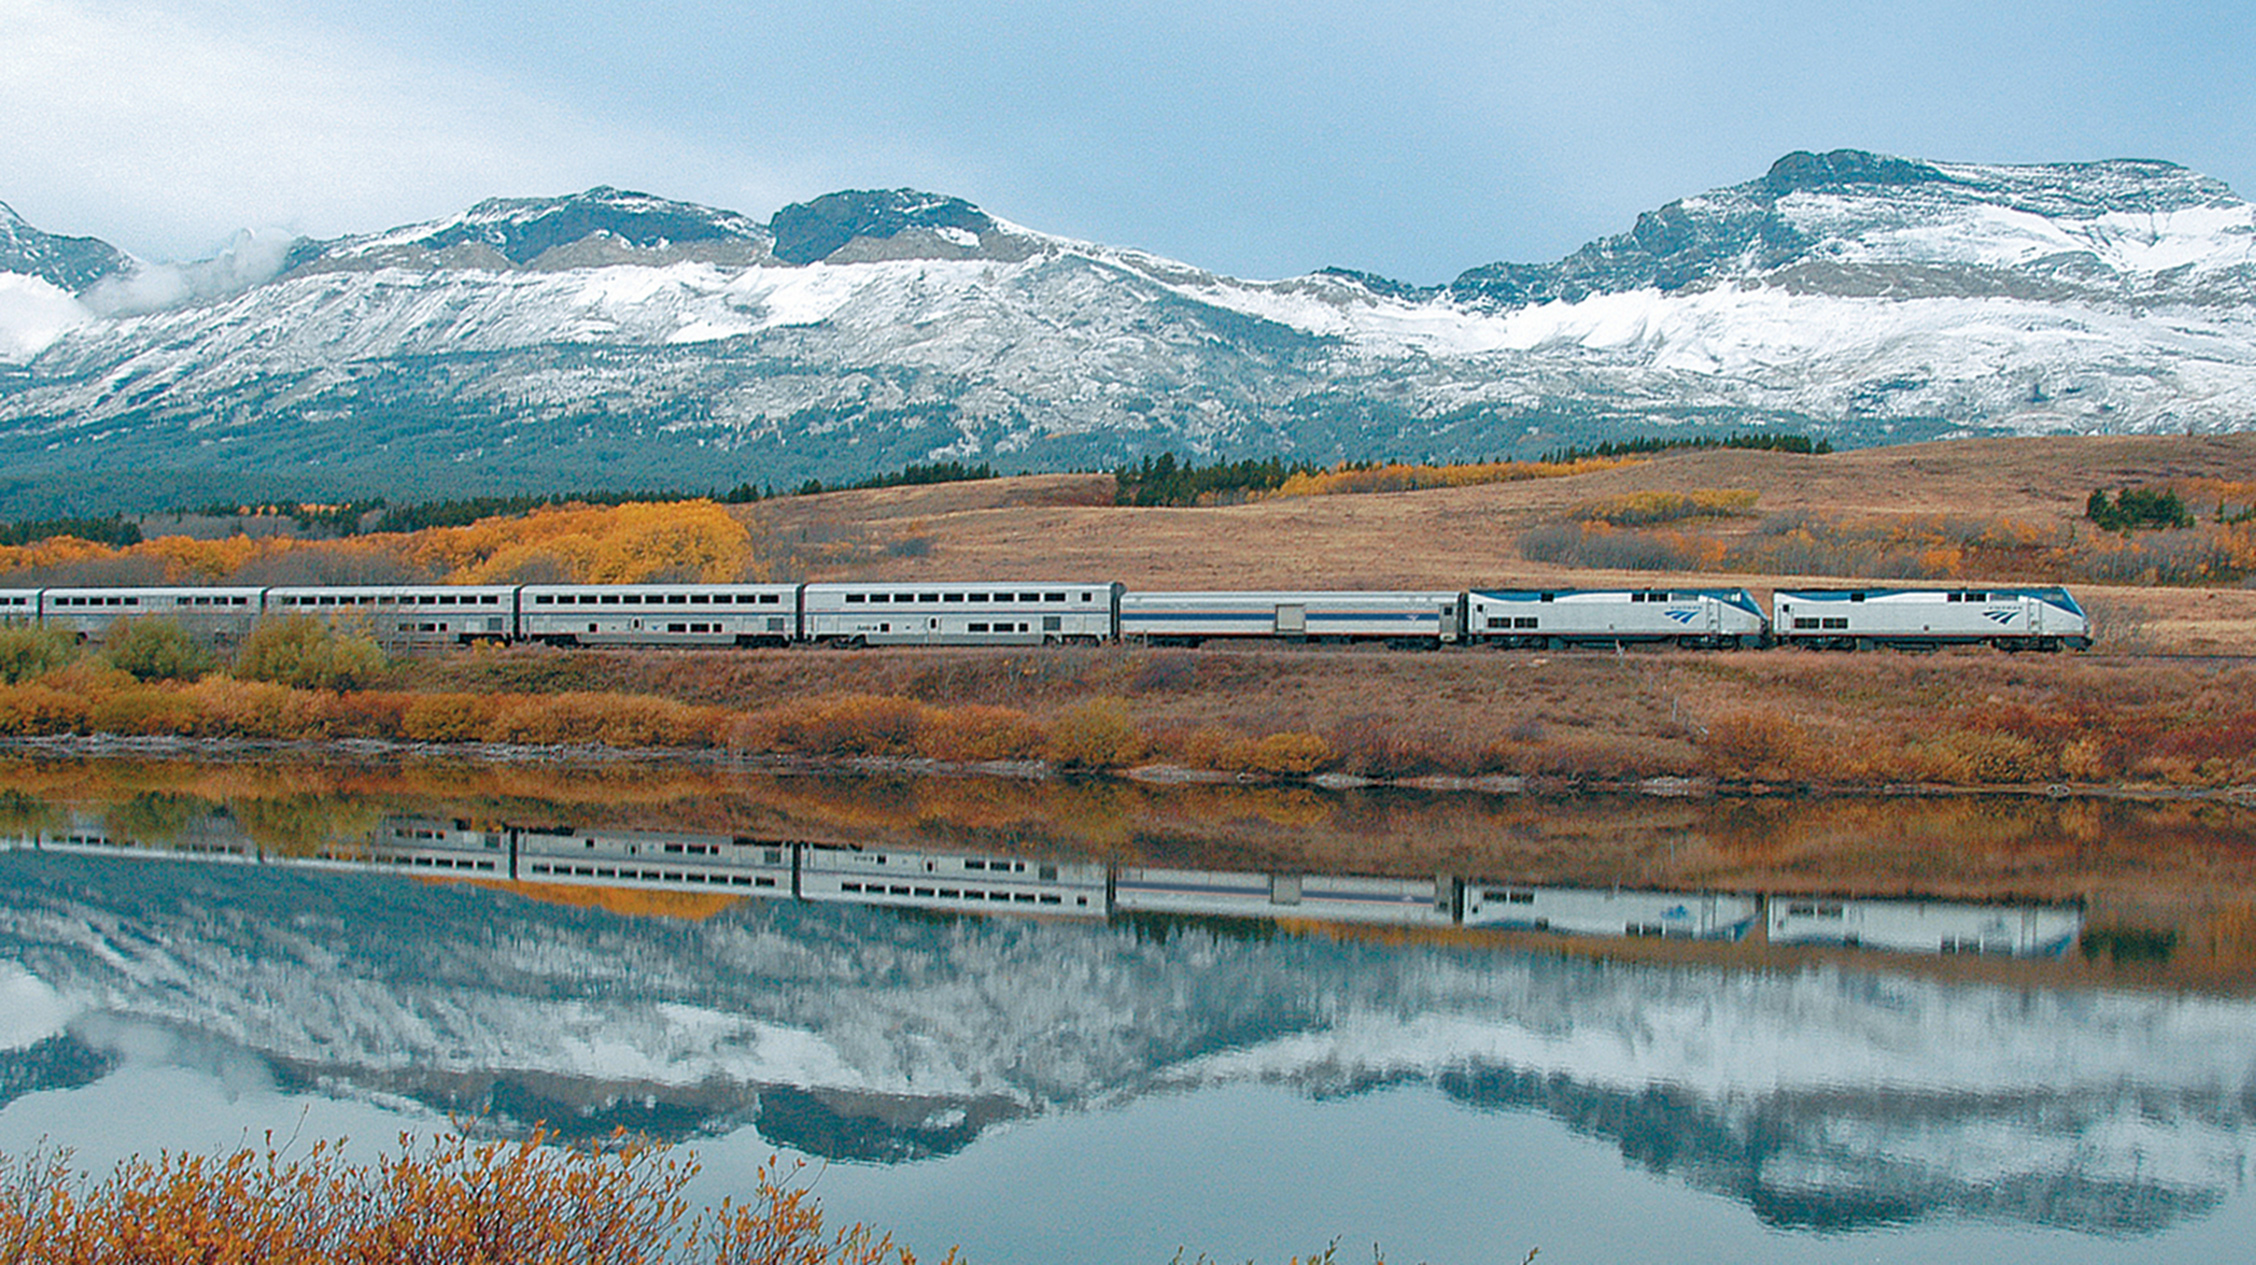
(904, 597)
(979, 597)
(1977, 597)
(1856, 597)
(610, 599)
(881, 597)
(1053, 597)
(769, 599)
(700, 599)
(1029, 597)
(852, 598)
(928, 597)
(1545, 597)
(951, 597)
(977, 628)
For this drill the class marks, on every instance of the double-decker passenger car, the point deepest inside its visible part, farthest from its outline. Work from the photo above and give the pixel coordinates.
(222, 614)
(1861, 619)
(1188, 618)
(969, 882)
(659, 614)
(660, 859)
(1014, 613)
(409, 616)
(1557, 618)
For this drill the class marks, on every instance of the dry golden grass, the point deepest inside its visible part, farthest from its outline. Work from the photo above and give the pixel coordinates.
(1064, 525)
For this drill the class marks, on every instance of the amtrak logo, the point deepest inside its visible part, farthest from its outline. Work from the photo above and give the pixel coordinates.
(1683, 617)
(2001, 618)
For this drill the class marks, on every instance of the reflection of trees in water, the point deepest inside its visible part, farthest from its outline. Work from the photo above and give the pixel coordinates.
(155, 817)
(301, 825)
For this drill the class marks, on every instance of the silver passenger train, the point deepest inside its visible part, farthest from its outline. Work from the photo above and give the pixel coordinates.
(1023, 613)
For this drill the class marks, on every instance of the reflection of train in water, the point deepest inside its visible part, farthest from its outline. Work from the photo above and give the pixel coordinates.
(1023, 613)
(968, 882)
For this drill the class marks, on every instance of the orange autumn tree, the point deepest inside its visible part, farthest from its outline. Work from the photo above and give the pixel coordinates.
(612, 544)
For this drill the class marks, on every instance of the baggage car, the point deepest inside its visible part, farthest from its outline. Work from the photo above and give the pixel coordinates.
(1188, 618)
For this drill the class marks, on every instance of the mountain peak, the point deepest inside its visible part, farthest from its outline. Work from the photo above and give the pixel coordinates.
(602, 225)
(70, 263)
(1802, 170)
(809, 232)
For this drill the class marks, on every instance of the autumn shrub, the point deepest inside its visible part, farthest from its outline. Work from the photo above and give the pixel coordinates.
(1292, 753)
(614, 720)
(1099, 734)
(26, 652)
(36, 709)
(450, 1201)
(153, 648)
(1757, 743)
(312, 653)
(980, 731)
(839, 724)
(222, 707)
(447, 718)
(1378, 747)
(143, 712)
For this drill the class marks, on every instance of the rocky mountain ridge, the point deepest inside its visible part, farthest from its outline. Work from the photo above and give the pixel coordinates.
(617, 339)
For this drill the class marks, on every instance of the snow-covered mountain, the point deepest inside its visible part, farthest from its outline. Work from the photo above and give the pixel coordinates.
(612, 338)
(1820, 1097)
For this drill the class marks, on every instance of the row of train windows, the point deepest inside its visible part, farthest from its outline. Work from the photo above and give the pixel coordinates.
(881, 598)
(202, 600)
(1652, 597)
(410, 599)
(1829, 622)
(15, 601)
(1001, 628)
(953, 893)
(94, 601)
(444, 863)
(1973, 596)
(657, 599)
(1512, 621)
(656, 876)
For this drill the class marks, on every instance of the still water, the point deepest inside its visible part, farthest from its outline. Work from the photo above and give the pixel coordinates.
(1763, 1037)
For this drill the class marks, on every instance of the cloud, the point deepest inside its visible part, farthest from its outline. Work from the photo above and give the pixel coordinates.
(250, 258)
(164, 130)
(33, 314)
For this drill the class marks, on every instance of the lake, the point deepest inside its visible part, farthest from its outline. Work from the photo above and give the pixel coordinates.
(1107, 1021)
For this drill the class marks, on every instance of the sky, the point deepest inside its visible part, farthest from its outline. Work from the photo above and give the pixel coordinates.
(1257, 138)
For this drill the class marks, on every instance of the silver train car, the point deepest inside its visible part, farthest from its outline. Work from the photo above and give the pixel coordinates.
(966, 882)
(1926, 926)
(1610, 912)
(1189, 618)
(1324, 897)
(998, 613)
(659, 614)
(665, 860)
(1710, 619)
(1863, 619)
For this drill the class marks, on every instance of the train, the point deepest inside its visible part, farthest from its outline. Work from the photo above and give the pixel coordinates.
(965, 882)
(1023, 613)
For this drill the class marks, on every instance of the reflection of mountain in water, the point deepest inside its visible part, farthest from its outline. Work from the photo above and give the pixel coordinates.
(1823, 1098)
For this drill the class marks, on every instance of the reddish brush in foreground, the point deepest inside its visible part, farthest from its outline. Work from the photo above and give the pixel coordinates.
(452, 1201)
